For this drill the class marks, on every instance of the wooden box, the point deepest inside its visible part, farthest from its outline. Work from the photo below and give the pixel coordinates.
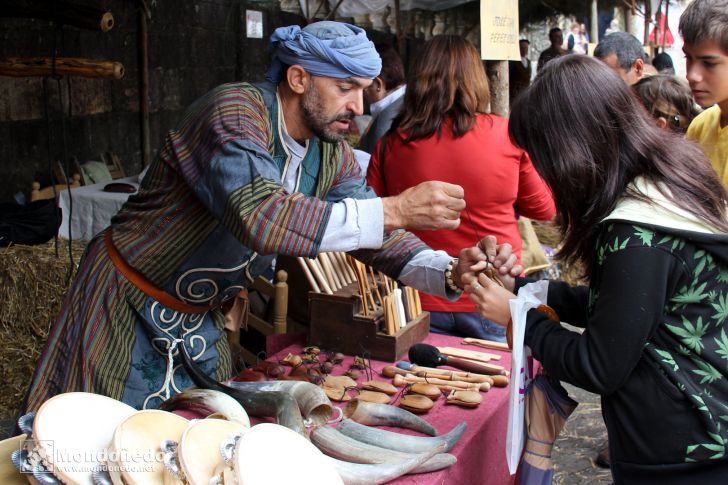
(336, 323)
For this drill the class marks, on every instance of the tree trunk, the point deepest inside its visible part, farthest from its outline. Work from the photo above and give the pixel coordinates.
(498, 79)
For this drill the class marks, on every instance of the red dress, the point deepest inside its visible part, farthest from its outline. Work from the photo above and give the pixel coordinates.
(499, 181)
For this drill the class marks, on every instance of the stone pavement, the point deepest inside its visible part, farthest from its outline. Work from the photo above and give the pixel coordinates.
(579, 443)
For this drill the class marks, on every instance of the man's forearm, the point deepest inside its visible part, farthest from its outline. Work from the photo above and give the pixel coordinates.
(354, 224)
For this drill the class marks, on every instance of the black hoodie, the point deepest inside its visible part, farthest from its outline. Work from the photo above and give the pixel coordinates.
(655, 347)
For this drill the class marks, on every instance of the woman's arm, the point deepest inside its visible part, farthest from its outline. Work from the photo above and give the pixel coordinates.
(569, 302)
(375, 172)
(630, 299)
(534, 197)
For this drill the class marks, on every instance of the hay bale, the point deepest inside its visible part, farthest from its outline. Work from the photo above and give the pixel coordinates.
(33, 283)
(549, 234)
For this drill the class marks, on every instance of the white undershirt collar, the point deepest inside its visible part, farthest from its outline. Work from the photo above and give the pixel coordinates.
(385, 102)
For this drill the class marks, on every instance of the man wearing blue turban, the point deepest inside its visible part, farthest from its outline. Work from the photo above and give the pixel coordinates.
(251, 171)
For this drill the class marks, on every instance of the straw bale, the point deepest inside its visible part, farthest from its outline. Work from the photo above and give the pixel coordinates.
(33, 283)
(549, 234)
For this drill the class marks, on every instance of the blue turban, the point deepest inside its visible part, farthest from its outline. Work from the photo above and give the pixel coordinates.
(332, 49)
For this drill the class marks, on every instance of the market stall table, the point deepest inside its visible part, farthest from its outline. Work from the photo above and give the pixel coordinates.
(481, 451)
(93, 208)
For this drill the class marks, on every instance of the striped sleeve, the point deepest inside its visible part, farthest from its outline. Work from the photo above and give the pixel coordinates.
(222, 151)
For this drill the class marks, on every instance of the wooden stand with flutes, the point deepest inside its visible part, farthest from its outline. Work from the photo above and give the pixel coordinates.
(353, 309)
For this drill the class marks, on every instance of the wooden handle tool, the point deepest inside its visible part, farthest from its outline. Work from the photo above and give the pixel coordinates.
(400, 380)
(469, 354)
(450, 375)
(477, 367)
(487, 344)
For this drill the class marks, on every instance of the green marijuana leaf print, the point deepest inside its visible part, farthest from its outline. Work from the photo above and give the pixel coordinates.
(668, 359)
(690, 335)
(644, 234)
(722, 344)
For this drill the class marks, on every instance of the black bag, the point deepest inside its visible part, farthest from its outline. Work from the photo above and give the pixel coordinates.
(35, 223)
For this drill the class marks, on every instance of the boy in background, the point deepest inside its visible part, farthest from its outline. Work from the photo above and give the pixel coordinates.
(703, 27)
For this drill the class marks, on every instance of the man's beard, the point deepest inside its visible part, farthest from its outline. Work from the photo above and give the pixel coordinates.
(316, 119)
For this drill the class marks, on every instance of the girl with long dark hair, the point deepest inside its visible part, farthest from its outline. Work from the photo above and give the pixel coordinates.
(645, 213)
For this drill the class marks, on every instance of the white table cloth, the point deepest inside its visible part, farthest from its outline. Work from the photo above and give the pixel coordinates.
(92, 208)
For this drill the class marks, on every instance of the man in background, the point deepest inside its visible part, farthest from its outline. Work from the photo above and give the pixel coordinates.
(556, 36)
(519, 72)
(624, 54)
(385, 96)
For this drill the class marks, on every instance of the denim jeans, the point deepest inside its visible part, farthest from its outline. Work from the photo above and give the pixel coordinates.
(465, 324)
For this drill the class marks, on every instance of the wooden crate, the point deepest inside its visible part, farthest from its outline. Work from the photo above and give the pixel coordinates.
(336, 323)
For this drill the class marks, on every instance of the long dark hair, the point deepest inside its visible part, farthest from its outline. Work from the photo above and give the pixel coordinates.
(446, 81)
(589, 143)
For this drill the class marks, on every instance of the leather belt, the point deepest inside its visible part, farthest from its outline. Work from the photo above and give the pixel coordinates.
(146, 286)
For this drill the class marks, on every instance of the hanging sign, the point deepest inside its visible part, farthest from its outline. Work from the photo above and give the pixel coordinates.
(499, 30)
(254, 24)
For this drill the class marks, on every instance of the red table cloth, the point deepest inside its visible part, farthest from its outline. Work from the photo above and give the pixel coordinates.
(481, 451)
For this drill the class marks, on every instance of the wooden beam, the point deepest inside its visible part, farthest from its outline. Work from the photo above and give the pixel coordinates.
(333, 11)
(400, 34)
(664, 34)
(66, 66)
(143, 62)
(61, 12)
(648, 18)
(594, 21)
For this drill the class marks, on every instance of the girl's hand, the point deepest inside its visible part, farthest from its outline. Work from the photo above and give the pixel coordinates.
(490, 298)
(503, 260)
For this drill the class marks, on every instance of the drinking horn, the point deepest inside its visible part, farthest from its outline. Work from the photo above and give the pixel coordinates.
(277, 404)
(376, 474)
(207, 402)
(342, 447)
(312, 400)
(375, 414)
(397, 441)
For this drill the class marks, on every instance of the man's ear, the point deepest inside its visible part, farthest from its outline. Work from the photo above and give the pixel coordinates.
(639, 68)
(378, 84)
(298, 79)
